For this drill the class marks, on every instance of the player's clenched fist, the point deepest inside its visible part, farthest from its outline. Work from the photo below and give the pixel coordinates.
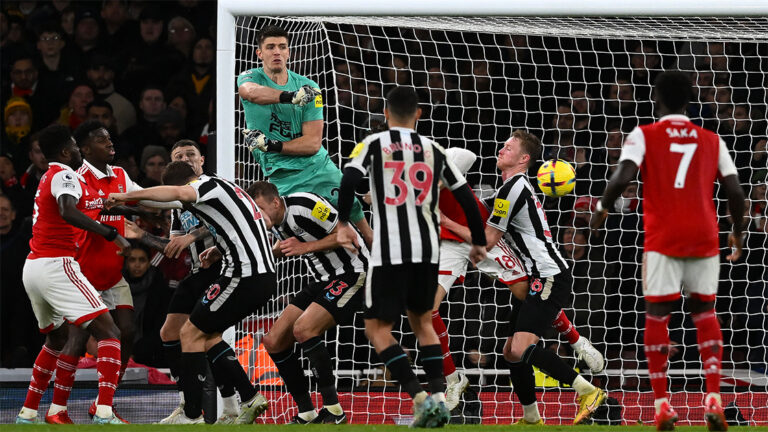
(114, 199)
(255, 139)
(300, 97)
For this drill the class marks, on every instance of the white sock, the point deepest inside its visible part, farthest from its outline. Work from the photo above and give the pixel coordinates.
(55, 409)
(582, 386)
(420, 398)
(334, 409)
(308, 415)
(453, 378)
(657, 404)
(230, 405)
(531, 412)
(181, 398)
(27, 413)
(103, 411)
(439, 397)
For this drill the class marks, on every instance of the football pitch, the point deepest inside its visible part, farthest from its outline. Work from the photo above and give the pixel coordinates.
(356, 428)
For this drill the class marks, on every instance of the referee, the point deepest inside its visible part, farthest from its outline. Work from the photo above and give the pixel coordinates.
(404, 170)
(246, 282)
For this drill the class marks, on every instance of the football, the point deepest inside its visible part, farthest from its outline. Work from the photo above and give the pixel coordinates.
(556, 178)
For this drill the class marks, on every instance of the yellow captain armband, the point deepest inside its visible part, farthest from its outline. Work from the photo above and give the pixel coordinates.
(356, 151)
(501, 208)
(319, 101)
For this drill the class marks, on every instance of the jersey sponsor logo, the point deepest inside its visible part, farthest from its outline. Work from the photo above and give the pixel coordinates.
(318, 101)
(95, 203)
(501, 208)
(321, 211)
(283, 128)
(188, 221)
(356, 151)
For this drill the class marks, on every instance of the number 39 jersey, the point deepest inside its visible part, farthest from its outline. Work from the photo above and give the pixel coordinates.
(404, 169)
(679, 163)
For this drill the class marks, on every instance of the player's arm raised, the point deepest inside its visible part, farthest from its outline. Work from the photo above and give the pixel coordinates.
(624, 174)
(466, 200)
(263, 95)
(69, 212)
(157, 193)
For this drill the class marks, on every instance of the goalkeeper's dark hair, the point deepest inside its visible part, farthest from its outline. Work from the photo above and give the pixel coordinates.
(83, 131)
(673, 90)
(53, 139)
(178, 173)
(186, 143)
(263, 189)
(402, 102)
(272, 31)
(529, 144)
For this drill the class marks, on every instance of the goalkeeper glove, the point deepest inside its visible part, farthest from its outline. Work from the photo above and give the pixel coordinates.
(300, 97)
(255, 139)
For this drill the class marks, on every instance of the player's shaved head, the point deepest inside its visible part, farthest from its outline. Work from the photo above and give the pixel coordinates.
(53, 140)
(178, 173)
(402, 102)
(673, 91)
(272, 31)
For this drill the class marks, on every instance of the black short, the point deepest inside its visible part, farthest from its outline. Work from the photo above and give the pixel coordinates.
(392, 289)
(542, 304)
(341, 297)
(191, 288)
(228, 301)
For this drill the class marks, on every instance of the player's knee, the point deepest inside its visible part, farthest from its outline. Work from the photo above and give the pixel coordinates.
(303, 330)
(166, 335)
(190, 333)
(271, 343)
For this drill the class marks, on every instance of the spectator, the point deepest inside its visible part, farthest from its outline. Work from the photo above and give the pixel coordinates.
(153, 162)
(58, 68)
(67, 22)
(87, 33)
(17, 116)
(196, 83)
(102, 111)
(101, 75)
(119, 31)
(74, 112)
(170, 126)
(10, 185)
(144, 132)
(181, 35)
(37, 167)
(24, 83)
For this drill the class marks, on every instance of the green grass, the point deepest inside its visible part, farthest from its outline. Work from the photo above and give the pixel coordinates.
(349, 428)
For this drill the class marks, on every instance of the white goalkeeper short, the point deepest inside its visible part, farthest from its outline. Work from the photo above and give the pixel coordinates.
(58, 291)
(118, 297)
(663, 276)
(500, 263)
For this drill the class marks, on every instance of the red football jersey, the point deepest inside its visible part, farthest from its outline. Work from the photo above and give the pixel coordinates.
(453, 211)
(679, 163)
(98, 257)
(52, 236)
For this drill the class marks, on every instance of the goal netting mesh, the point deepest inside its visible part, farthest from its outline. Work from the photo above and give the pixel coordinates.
(581, 84)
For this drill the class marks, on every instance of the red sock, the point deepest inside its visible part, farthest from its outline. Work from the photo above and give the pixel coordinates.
(657, 352)
(564, 326)
(710, 340)
(442, 334)
(65, 377)
(45, 363)
(108, 367)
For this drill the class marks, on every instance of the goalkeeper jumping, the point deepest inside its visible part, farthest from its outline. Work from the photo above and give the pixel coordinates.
(284, 119)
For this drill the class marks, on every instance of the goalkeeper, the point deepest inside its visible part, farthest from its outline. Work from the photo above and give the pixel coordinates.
(284, 119)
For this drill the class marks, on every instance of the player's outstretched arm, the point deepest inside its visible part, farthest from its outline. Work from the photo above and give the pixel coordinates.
(157, 193)
(263, 95)
(133, 232)
(735, 195)
(624, 174)
(177, 244)
(69, 212)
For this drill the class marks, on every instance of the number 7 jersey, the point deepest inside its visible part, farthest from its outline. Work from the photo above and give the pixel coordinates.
(679, 163)
(404, 169)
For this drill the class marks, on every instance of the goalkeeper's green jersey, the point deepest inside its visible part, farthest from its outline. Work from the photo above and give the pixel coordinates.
(282, 122)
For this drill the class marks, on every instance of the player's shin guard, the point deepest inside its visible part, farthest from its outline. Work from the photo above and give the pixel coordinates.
(395, 359)
(108, 367)
(45, 364)
(523, 382)
(710, 339)
(287, 363)
(442, 333)
(564, 326)
(550, 363)
(66, 367)
(657, 352)
(194, 368)
(228, 371)
(432, 362)
(320, 360)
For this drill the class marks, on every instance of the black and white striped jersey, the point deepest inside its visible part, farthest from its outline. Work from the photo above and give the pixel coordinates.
(518, 213)
(404, 170)
(310, 217)
(237, 225)
(183, 222)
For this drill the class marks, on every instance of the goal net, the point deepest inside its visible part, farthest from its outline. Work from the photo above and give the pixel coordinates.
(581, 84)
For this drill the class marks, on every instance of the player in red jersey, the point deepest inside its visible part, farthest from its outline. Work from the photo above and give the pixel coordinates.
(54, 283)
(501, 263)
(679, 163)
(99, 262)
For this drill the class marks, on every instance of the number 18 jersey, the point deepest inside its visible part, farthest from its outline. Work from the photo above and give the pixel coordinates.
(679, 163)
(404, 169)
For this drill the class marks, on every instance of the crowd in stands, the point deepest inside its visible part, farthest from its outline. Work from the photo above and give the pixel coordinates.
(146, 71)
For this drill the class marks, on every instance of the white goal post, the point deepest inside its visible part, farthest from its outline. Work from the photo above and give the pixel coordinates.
(528, 64)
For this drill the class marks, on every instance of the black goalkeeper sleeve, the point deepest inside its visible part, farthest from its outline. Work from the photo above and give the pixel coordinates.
(466, 200)
(349, 181)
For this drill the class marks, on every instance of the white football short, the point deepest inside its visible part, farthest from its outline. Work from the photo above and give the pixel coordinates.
(58, 291)
(118, 297)
(501, 263)
(663, 275)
